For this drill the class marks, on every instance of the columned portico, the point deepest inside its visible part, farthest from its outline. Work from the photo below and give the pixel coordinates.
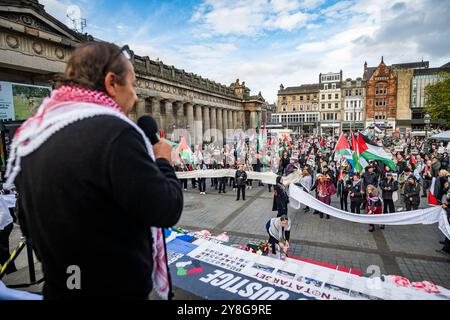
(213, 123)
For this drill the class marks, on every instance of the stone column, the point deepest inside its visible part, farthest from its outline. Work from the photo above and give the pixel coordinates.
(213, 123)
(206, 124)
(242, 119)
(253, 119)
(140, 107)
(230, 119)
(156, 112)
(198, 125)
(170, 119)
(180, 120)
(235, 122)
(220, 121)
(190, 122)
(225, 123)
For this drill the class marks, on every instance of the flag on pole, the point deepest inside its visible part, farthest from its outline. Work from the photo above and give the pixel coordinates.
(371, 151)
(432, 193)
(184, 150)
(322, 144)
(355, 155)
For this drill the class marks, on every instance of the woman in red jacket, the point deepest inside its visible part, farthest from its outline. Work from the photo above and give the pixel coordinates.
(374, 204)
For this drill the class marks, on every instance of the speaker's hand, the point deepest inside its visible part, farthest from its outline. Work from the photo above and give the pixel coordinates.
(162, 149)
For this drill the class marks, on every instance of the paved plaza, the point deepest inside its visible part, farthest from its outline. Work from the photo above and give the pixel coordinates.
(401, 250)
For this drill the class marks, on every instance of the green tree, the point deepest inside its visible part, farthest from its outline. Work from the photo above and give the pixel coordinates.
(437, 99)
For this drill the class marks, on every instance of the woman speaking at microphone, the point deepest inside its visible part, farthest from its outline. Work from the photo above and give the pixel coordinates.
(92, 189)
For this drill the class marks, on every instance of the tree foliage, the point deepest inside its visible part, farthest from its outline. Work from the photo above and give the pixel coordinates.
(437, 99)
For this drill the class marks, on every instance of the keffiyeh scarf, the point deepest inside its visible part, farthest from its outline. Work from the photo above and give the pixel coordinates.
(66, 106)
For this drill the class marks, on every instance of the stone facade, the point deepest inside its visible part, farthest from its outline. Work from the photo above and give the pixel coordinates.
(34, 47)
(381, 96)
(353, 104)
(403, 115)
(330, 102)
(298, 108)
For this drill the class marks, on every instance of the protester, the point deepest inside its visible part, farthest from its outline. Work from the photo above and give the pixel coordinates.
(89, 197)
(388, 186)
(202, 181)
(324, 190)
(374, 205)
(411, 193)
(306, 183)
(279, 230)
(446, 248)
(280, 198)
(222, 181)
(427, 177)
(241, 179)
(6, 227)
(356, 193)
(435, 166)
(342, 190)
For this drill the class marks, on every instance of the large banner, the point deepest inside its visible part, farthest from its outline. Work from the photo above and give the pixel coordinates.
(212, 269)
(20, 101)
(435, 214)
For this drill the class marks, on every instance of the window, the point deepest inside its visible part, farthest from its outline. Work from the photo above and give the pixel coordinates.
(380, 90)
(323, 105)
(329, 106)
(293, 108)
(329, 96)
(336, 96)
(380, 102)
(336, 105)
(293, 98)
(301, 98)
(307, 98)
(323, 97)
(333, 86)
(325, 86)
(284, 108)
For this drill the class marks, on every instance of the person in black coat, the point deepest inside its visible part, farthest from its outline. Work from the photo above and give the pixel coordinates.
(88, 197)
(280, 198)
(388, 187)
(411, 193)
(446, 248)
(356, 193)
(222, 181)
(241, 179)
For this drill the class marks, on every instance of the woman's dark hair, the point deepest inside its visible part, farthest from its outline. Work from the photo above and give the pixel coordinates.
(278, 179)
(284, 218)
(89, 64)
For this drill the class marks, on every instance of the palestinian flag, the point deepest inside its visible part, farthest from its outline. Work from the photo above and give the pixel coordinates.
(357, 166)
(322, 144)
(184, 151)
(432, 193)
(371, 151)
(342, 146)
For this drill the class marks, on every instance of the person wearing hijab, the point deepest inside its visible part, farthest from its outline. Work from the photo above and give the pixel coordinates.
(374, 204)
(280, 198)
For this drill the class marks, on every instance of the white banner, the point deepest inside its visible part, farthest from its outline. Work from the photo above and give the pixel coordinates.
(265, 177)
(422, 216)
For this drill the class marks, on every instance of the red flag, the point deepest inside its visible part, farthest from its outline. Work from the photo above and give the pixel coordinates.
(432, 193)
(354, 143)
(322, 143)
(361, 144)
(412, 159)
(342, 143)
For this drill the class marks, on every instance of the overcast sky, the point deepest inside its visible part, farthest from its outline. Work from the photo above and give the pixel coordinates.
(269, 42)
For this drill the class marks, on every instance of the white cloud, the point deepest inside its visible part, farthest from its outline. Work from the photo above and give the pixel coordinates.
(248, 17)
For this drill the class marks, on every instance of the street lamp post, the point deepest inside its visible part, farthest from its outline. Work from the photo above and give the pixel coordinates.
(426, 120)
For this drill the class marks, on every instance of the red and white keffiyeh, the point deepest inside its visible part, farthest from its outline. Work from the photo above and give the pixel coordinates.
(66, 106)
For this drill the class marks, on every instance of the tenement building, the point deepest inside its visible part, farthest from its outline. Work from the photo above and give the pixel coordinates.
(298, 108)
(330, 102)
(35, 47)
(353, 104)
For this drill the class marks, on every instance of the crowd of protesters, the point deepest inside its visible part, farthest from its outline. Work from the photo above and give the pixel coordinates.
(378, 189)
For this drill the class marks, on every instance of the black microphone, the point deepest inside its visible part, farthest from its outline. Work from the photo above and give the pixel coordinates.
(150, 128)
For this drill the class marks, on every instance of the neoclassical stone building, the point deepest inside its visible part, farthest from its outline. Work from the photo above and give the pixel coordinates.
(34, 47)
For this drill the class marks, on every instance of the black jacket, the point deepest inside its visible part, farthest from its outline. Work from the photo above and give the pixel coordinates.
(356, 190)
(388, 187)
(240, 174)
(369, 178)
(88, 197)
(280, 199)
(412, 191)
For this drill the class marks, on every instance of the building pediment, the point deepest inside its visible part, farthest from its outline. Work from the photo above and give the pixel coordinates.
(32, 19)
